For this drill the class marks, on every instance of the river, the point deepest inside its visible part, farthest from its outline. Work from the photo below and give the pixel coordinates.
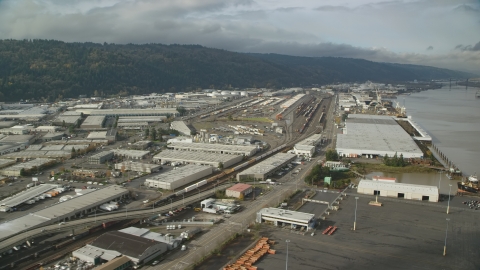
(452, 117)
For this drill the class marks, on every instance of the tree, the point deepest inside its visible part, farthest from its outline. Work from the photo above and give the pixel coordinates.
(220, 165)
(230, 117)
(331, 155)
(63, 124)
(181, 110)
(153, 134)
(22, 172)
(147, 132)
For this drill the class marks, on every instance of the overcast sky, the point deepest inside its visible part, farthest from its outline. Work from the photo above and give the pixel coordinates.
(442, 33)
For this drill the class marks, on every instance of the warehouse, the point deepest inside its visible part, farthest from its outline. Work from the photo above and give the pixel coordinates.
(46, 129)
(131, 112)
(16, 130)
(374, 136)
(16, 169)
(39, 154)
(140, 250)
(95, 255)
(181, 127)
(199, 158)
(179, 177)
(141, 145)
(136, 119)
(267, 167)
(93, 122)
(67, 120)
(171, 242)
(23, 139)
(281, 217)
(76, 207)
(398, 190)
(215, 148)
(100, 158)
(132, 154)
(11, 147)
(56, 136)
(239, 191)
(26, 195)
(137, 167)
(6, 162)
(97, 135)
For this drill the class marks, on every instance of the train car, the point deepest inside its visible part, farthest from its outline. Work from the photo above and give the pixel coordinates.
(202, 183)
(81, 235)
(64, 243)
(178, 193)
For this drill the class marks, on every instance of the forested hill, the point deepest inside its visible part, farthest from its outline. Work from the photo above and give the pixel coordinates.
(46, 69)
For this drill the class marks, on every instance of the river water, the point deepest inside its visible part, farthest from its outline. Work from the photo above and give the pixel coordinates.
(452, 117)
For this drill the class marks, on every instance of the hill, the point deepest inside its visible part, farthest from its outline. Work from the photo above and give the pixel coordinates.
(48, 69)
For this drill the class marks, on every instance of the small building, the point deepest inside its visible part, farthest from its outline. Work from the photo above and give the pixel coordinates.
(36, 164)
(95, 255)
(199, 158)
(239, 190)
(46, 129)
(282, 218)
(53, 136)
(279, 130)
(304, 150)
(141, 145)
(16, 130)
(336, 166)
(87, 173)
(97, 135)
(111, 135)
(399, 190)
(100, 158)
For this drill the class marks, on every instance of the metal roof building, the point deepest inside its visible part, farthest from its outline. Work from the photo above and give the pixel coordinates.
(399, 190)
(140, 250)
(16, 169)
(133, 154)
(39, 154)
(137, 167)
(171, 242)
(282, 217)
(215, 148)
(266, 167)
(131, 112)
(101, 157)
(79, 205)
(26, 195)
(375, 135)
(179, 177)
(93, 122)
(199, 158)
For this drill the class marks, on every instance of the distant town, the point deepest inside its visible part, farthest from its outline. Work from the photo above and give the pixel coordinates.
(230, 179)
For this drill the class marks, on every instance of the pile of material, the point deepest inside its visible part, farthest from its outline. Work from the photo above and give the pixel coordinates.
(252, 256)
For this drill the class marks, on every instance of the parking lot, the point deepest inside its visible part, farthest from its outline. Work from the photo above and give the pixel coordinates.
(397, 235)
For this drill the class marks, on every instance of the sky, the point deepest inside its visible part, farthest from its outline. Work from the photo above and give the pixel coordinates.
(441, 33)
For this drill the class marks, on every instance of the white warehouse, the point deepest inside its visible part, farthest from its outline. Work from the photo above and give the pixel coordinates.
(243, 150)
(199, 158)
(181, 176)
(398, 190)
(373, 136)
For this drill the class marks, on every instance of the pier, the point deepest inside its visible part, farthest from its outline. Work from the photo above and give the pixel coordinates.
(442, 158)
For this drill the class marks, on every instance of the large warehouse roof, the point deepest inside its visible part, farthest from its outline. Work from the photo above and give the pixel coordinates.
(398, 187)
(208, 147)
(197, 157)
(60, 210)
(269, 165)
(26, 195)
(131, 112)
(312, 140)
(376, 135)
(179, 173)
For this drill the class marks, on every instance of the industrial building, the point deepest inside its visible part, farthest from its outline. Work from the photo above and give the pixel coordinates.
(141, 145)
(16, 170)
(118, 263)
(179, 177)
(131, 112)
(239, 190)
(267, 167)
(16, 130)
(55, 136)
(76, 207)
(23, 139)
(95, 255)
(398, 190)
(372, 136)
(26, 195)
(11, 147)
(46, 129)
(100, 158)
(199, 158)
(215, 148)
(6, 162)
(131, 154)
(181, 127)
(138, 249)
(172, 242)
(93, 122)
(307, 146)
(282, 218)
(137, 167)
(67, 120)
(39, 154)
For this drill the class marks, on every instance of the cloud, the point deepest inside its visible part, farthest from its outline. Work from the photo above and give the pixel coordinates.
(386, 31)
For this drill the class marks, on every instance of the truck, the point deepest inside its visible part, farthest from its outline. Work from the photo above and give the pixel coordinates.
(209, 210)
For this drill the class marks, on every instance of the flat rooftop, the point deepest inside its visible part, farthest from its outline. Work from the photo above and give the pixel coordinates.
(94, 120)
(26, 195)
(373, 134)
(398, 187)
(312, 140)
(179, 173)
(239, 187)
(29, 164)
(101, 154)
(131, 153)
(190, 156)
(270, 164)
(286, 214)
(213, 147)
(59, 210)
